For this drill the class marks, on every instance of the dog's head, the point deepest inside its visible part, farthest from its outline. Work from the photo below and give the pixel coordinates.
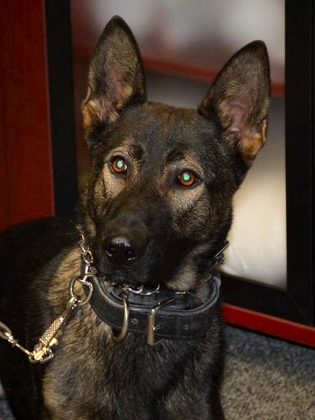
(158, 203)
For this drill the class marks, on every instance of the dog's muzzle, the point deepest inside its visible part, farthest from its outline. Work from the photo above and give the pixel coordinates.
(156, 314)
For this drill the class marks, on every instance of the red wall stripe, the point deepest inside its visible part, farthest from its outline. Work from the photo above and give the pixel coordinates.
(270, 325)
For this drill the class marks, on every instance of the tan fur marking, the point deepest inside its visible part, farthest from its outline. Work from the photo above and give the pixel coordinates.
(182, 200)
(264, 130)
(252, 143)
(125, 96)
(185, 278)
(90, 116)
(95, 111)
(102, 110)
(114, 184)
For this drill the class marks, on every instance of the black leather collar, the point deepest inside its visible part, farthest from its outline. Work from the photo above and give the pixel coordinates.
(160, 315)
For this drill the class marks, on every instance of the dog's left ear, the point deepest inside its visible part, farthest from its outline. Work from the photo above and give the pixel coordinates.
(116, 77)
(239, 100)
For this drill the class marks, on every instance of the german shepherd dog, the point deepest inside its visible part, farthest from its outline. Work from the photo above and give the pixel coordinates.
(156, 210)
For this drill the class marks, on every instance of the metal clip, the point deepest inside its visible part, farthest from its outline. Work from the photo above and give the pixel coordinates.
(42, 350)
(41, 354)
(151, 327)
(124, 328)
(81, 300)
(6, 334)
(218, 259)
(87, 256)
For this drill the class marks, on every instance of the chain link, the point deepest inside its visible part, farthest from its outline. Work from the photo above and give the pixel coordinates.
(42, 351)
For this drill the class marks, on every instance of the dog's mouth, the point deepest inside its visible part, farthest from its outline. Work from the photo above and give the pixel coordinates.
(146, 274)
(141, 290)
(139, 273)
(125, 282)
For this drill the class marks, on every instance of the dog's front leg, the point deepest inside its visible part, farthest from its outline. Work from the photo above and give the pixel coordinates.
(193, 406)
(198, 412)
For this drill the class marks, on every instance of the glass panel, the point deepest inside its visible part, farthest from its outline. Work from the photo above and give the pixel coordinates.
(179, 39)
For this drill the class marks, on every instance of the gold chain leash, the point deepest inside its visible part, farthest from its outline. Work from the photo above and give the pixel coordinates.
(42, 351)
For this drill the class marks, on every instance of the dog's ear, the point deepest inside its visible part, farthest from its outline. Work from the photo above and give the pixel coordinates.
(116, 77)
(239, 100)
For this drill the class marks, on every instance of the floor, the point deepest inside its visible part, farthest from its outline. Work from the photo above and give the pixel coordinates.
(267, 379)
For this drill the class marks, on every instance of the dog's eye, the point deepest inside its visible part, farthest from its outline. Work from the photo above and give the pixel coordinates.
(187, 179)
(119, 165)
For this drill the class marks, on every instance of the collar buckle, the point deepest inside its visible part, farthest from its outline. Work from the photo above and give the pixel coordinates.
(151, 322)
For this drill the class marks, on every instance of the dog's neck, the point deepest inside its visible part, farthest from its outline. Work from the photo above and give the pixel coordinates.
(185, 316)
(155, 314)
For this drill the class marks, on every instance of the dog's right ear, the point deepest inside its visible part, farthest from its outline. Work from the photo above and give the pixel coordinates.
(116, 77)
(239, 100)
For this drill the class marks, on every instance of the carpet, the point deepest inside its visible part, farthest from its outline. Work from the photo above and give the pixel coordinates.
(265, 379)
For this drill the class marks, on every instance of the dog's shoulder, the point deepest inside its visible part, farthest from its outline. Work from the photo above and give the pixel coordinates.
(25, 251)
(31, 245)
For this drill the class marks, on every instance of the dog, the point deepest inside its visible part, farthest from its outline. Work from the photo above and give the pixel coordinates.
(142, 336)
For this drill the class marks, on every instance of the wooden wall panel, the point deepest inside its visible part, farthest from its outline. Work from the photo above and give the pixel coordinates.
(26, 183)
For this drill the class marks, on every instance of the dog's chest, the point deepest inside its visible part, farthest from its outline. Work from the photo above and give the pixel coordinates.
(93, 377)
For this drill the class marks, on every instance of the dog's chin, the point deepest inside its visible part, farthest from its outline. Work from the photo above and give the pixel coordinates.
(125, 278)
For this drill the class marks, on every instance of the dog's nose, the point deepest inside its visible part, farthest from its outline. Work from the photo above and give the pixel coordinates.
(120, 250)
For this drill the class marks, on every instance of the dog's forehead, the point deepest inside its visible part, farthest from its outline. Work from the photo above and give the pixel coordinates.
(173, 132)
